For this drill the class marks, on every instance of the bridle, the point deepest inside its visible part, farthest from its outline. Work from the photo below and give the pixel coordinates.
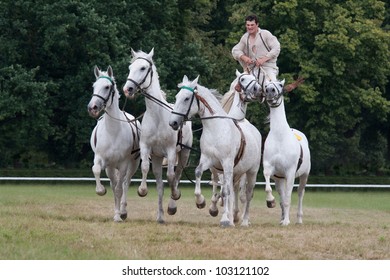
(248, 89)
(198, 99)
(111, 93)
(274, 97)
(194, 92)
(150, 70)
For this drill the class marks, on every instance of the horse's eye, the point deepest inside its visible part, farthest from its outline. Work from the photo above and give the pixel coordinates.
(107, 87)
(186, 99)
(143, 68)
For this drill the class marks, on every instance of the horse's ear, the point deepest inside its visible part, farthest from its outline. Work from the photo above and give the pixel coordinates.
(195, 82)
(96, 71)
(185, 79)
(150, 55)
(282, 82)
(132, 52)
(238, 74)
(109, 71)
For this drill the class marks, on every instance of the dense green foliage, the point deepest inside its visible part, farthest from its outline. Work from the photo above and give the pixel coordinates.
(48, 50)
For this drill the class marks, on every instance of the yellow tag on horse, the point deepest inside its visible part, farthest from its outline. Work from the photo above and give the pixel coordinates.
(298, 137)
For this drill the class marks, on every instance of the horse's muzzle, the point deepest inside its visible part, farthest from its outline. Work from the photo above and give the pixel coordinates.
(94, 112)
(174, 124)
(129, 92)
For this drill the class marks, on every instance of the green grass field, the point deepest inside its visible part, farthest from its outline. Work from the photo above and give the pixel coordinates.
(69, 221)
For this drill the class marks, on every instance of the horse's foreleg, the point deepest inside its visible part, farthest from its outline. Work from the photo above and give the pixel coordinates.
(145, 165)
(286, 191)
(301, 193)
(270, 199)
(97, 169)
(116, 185)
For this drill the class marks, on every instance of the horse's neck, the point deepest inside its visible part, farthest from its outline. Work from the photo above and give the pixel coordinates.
(113, 112)
(205, 113)
(155, 91)
(278, 119)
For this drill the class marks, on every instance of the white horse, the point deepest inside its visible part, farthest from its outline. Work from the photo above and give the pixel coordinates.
(227, 146)
(114, 140)
(234, 104)
(158, 140)
(286, 154)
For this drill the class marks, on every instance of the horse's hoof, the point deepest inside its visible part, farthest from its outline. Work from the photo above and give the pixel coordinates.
(102, 193)
(124, 216)
(143, 193)
(271, 204)
(226, 224)
(172, 210)
(160, 221)
(118, 220)
(177, 197)
(201, 205)
(213, 213)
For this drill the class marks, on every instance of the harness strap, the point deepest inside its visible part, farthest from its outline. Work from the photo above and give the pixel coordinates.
(241, 149)
(95, 136)
(133, 125)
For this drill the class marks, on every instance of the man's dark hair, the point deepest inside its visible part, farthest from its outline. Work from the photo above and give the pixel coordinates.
(252, 18)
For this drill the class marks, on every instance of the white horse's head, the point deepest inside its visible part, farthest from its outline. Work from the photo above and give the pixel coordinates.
(249, 87)
(274, 93)
(104, 92)
(184, 107)
(140, 72)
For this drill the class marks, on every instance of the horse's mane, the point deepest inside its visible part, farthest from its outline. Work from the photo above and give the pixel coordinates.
(104, 73)
(228, 97)
(137, 55)
(214, 93)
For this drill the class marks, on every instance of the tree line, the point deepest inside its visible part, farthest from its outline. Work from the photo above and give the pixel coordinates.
(48, 50)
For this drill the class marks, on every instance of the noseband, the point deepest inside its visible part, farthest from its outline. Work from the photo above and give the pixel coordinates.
(112, 90)
(138, 85)
(194, 91)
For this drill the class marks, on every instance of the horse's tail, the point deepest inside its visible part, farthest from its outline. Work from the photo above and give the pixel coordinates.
(294, 85)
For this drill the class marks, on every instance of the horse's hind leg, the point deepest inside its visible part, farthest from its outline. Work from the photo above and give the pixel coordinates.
(174, 176)
(133, 165)
(199, 198)
(301, 193)
(145, 165)
(239, 187)
(157, 171)
(116, 185)
(250, 184)
(213, 210)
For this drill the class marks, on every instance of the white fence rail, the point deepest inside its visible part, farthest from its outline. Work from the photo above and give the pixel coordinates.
(80, 179)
